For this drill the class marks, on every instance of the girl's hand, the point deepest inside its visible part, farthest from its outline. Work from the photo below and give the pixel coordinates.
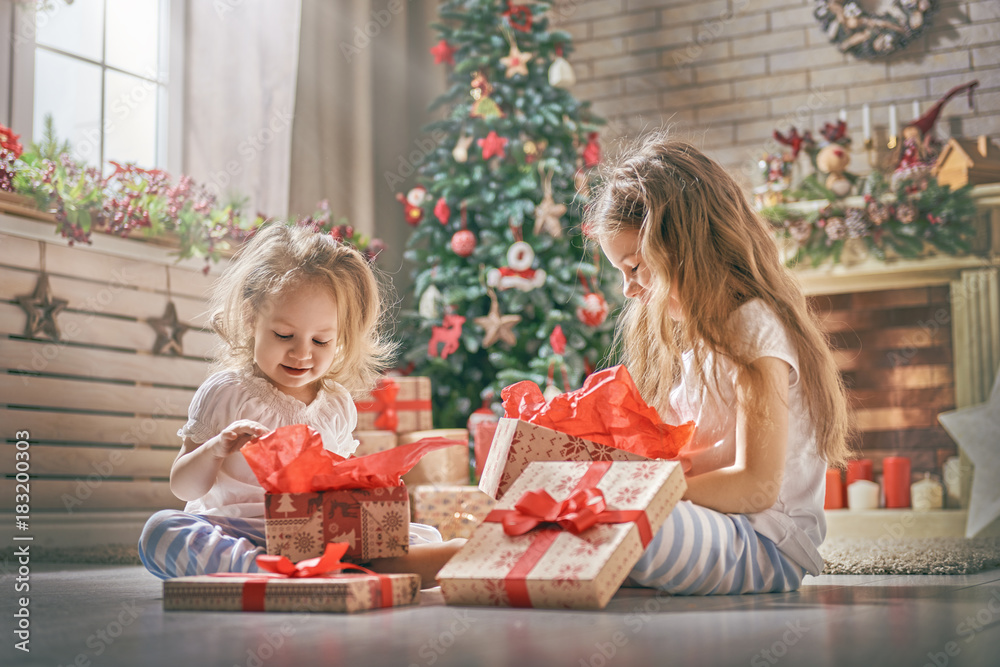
(236, 435)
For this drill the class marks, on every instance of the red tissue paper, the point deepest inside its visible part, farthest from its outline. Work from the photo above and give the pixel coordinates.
(607, 409)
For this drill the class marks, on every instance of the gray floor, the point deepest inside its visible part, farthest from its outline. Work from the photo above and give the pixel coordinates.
(104, 615)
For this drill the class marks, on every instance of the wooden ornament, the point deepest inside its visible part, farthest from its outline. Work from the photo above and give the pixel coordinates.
(169, 332)
(42, 308)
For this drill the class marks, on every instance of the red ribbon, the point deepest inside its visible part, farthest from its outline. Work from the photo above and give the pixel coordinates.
(506, 271)
(384, 402)
(279, 567)
(584, 508)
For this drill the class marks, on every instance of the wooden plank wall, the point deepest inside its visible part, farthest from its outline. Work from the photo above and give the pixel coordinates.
(894, 350)
(102, 411)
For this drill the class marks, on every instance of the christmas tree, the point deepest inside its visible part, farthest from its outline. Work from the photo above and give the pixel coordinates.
(507, 287)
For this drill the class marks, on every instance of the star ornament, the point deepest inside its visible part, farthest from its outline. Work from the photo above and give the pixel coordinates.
(169, 332)
(516, 61)
(497, 326)
(548, 216)
(975, 431)
(443, 53)
(492, 145)
(42, 307)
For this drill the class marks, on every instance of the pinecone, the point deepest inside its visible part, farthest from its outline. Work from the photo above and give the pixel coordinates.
(800, 230)
(906, 213)
(835, 229)
(878, 213)
(856, 223)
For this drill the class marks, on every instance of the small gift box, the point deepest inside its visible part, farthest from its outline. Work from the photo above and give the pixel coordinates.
(371, 442)
(605, 420)
(453, 510)
(312, 585)
(398, 404)
(444, 466)
(313, 496)
(565, 535)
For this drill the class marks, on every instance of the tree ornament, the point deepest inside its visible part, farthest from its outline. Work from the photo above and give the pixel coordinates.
(561, 74)
(428, 305)
(413, 203)
(443, 53)
(493, 144)
(42, 308)
(461, 150)
(592, 152)
(519, 17)
(497, 326)
(515, 62)
(594, 309)
(518, 273)
(557, 339)
(446, 335)
(868, 35)
(548, 213)
(442, 211)
(483, 107)
(169, 332)
(463, 243)
(920, 148)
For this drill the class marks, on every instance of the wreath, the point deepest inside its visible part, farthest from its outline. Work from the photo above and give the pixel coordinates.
(869, 35)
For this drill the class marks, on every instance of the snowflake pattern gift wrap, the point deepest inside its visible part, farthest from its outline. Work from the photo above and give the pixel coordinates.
(314, 497)
(453, 510)
(605, 420)
(399, 404)
(565, 535)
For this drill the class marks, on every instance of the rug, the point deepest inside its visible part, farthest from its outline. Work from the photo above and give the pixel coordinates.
(927, 555)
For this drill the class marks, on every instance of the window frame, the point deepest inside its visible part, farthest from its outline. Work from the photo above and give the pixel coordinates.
(17, 87)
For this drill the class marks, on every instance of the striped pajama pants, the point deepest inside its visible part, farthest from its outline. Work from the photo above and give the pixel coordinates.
(178, 544)
(699, 551)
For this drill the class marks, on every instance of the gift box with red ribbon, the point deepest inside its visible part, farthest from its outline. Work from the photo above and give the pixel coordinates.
(565, 535)
(313, 496)
(454, 510)
(398, 404)
(370, 442)
(314, 585)
(605, 420)
(444, 466)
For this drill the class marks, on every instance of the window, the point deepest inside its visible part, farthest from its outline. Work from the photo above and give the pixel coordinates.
(106, 71)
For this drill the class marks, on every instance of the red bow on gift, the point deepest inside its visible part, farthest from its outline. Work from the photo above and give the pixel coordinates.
(384, 397)
(576, 514)
(311, 567)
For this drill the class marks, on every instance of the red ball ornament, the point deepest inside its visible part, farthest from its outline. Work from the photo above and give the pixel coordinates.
(594, 310)
(442, 211)
(463, 242)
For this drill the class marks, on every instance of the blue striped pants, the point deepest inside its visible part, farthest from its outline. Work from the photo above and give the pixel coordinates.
(178, 544)
(699, 551)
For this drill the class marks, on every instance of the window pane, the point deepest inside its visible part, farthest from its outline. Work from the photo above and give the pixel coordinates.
(130, 119)
(70, 91)
(76, 28)
(133, 36)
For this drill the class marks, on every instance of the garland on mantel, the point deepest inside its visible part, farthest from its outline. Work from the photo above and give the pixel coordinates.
(898, 222)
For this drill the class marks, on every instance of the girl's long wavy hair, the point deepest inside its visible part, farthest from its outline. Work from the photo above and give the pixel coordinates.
(698, 232)
(281, 258)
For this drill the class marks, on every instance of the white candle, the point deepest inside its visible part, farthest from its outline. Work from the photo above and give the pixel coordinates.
(866, 121)
(862, 495)
(893, 122)
(842, 115)
(927, 494)
(916, 109)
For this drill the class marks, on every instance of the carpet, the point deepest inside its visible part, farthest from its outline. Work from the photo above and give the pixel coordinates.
(927, 555)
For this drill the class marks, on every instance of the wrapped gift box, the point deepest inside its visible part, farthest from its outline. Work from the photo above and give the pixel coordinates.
(374, 441)
(375, 523)
(398, 404)
(573, 563)
(453, 510)
(443, 466)
(517, 443)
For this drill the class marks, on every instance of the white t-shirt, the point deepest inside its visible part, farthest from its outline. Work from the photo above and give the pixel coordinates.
(228, 396)
(795, 523)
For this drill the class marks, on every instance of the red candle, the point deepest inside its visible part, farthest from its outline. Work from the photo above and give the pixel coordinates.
(834, 490)
(896, 481)
(860, 469)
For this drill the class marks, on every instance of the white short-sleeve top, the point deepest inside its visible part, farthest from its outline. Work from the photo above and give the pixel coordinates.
(228, 396)
(795, 523)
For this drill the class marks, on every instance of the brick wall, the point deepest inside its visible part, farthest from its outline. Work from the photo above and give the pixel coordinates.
(894, 350)
(728, 72)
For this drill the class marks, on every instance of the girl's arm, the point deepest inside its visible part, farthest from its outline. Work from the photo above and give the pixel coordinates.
(752, 483)
(197, 465)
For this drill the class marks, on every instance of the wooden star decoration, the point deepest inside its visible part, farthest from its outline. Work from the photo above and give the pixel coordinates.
(516, 61)
(497, 326)
(548, 216)
(42, 308)
(975, 431)
(169, 331)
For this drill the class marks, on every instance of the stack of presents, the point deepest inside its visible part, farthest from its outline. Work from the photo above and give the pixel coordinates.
(572, 491)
